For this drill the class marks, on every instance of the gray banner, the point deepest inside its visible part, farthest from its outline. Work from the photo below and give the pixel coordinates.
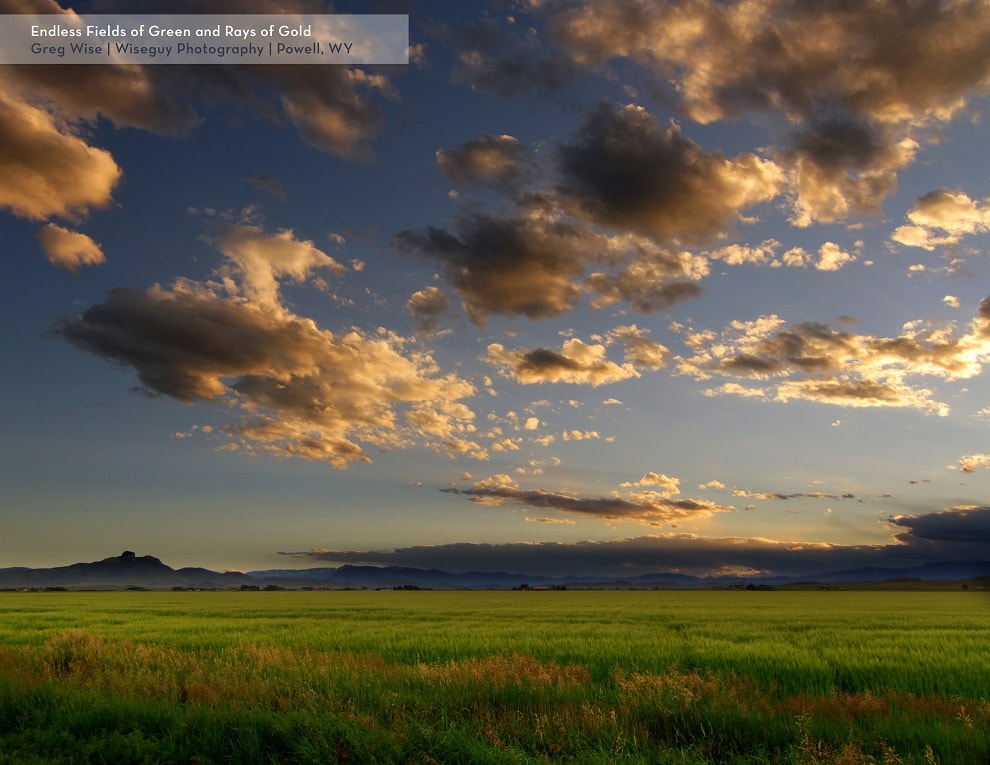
(204, 39)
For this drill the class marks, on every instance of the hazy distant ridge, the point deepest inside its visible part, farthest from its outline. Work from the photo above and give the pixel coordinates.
(130, 570)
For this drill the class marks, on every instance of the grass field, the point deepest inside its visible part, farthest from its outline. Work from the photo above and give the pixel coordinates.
(811, 678)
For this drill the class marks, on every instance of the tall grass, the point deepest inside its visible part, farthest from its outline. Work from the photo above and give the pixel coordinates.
(495, 677)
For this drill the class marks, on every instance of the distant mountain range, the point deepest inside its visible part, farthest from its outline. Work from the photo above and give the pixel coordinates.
(130, 570)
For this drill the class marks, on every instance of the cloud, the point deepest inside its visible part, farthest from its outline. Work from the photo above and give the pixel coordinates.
(639, 350)
(69, 249)
(504, 60)
(328, 105)
(970, 463)
(651, 507)
(667, 484)
(860, 80)
(576, 363)
(526, 265)
(486, 159)
(298, 390)
(942, 218)
(258, 261)
(841, 168)
(626, 172)
(48, 171)
(819, 363)
(831, 257)
(776, 495)
(960, 535)
(960, 527)
(652, 280)
(426, 307)
(269, 184)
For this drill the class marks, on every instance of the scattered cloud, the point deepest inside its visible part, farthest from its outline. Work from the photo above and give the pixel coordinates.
(576, 363)
(843, 74)
(498, 58)
(970, 463)
(526, 265)
(49, 171)
(815, 362)
(625, 171)
(667, 484)
(652, 507)
(301, 391)
(426, 307)
(941, 219)
(486, 159)
(69, 249)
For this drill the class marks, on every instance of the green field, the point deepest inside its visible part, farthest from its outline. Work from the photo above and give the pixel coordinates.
(495, 677)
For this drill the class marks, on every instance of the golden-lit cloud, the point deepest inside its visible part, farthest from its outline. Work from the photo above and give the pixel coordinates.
(859, 81)
(971, 462)
(259, 261)
(577, 363)
(627, 172)
(527, 265)
(666, 484)
(426, 307)
(47, 170)
(69, 249)
(654, 508)
(487, 158)
(300, 390)
(651, 279)
(941, 219)
(814, 362)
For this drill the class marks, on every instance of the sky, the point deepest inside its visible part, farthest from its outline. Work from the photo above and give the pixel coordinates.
(600, 289)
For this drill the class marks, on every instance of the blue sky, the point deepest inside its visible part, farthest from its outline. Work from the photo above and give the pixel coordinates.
(686, 286)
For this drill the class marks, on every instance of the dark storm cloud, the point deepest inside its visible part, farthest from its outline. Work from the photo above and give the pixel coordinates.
(681, 553)
(515, 266)
(968, 526)
(626, 171)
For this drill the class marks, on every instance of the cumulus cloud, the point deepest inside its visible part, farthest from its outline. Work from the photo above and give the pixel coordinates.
(527, 265)
(47, 170)
(859, 80)
(971, 462)
(667, 484)
(426, 307)
(69, 249)
(488, 158)
(626, 171)
(299, 390)
(815, 362)
(577, 363)
(259, 261)
(651, 280)
(942, 218)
